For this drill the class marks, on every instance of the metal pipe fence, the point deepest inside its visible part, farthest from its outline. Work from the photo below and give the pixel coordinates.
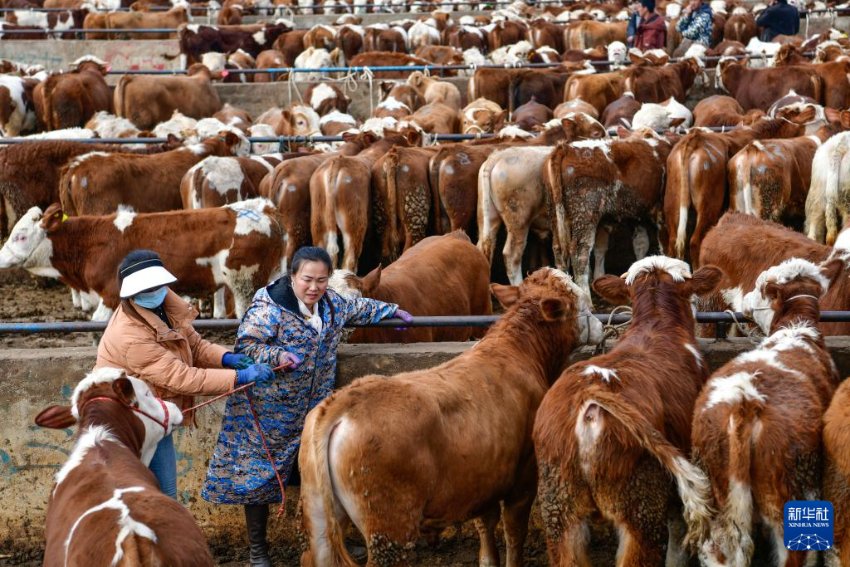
(715, 317)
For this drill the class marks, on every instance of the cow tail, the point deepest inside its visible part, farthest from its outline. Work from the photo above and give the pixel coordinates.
(434, 182)
(830, 197)
(485, 203)
(390, 173)
(692, 483)
(119, 97)
(560, 222)
(66, 189)
(731, 533)
(321, 507)
(47, 94)
(684, 200)
(331, 236)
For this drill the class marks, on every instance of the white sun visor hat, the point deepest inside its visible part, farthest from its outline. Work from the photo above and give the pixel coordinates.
(144, 275)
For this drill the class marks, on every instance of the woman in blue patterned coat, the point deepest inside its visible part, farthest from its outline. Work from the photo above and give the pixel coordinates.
(295, 322)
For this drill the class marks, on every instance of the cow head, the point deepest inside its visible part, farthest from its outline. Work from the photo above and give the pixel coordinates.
(778, 287)
(555, 297)
(28, 246)
(302, 119)
(661, 281)
(121, 394)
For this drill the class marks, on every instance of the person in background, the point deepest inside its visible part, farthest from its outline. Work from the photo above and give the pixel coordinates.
(295, 323)
(695, 24)
(652, 30)
(779, 18)
(150, 336)
(634, 21)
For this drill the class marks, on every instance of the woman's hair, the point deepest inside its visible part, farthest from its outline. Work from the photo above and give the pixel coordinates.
(310, 254)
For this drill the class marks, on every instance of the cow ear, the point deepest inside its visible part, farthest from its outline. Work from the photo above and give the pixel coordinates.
(386, 86)
(229, 138)
(53, 218)
(612, 289)
(677, 122)
(507, 295)
(844, 119)
(370, 282)
(705, 279)
(635, 58)
(554, 309)
(123, 388)
(622, 132)
(771, 291)
(832, 270)
(55, 417)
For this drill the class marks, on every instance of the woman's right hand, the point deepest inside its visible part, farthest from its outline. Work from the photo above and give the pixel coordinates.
(288, 361)
(257, 373)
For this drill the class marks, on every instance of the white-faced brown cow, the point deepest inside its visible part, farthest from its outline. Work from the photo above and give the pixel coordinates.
(757, 423)
(612, 436)
(238, 246)
(106, 507)
(474, 414)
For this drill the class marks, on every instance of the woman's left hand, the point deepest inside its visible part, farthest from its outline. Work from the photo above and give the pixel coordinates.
(403, 315)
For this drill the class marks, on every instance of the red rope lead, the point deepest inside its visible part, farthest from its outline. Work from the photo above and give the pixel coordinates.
(245, 387)
(281, 509)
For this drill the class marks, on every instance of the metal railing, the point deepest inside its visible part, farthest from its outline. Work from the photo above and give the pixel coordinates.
(435, 321)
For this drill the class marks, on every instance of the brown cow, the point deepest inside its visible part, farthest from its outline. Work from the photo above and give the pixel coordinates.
(589, 34)
(482, 116)
(217, 181)
(757, 423)
(128, 21)
(340, 203)
(613, 430)
(837, 471)
(414, 280)
(479, 451)
(621, 111)
(98, 183)
(70, 99)
(269, 59)
(195, 40)
(122, 517)
(437, 118)
(657, 84)
(238, 246)
(289, 190)
(531, 115)
(740, 27)
(149, 100)
(770, 179)
(697, 179)
(721, 110)
(599, 90)
(510, 88)
(326, 97)
(386, 59)
(759, 88)
(433, 90)
(593, 179)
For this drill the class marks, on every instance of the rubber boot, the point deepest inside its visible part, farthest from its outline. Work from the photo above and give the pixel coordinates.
(256, 520)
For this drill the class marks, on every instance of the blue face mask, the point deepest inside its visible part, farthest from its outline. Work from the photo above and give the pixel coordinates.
(151, 299)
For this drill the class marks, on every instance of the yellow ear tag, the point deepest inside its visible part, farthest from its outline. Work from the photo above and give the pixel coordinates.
(64, 217)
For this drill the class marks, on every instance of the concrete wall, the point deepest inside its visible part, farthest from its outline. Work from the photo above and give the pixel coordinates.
(29, 457)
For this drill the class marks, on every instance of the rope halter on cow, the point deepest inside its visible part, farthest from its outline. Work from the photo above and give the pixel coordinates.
(135, 408)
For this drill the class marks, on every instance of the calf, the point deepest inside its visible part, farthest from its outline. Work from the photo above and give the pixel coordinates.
(433, 90)
(195, 40)
(71, 99)
(757, 422)
(770, 179)
(482, 116)
(613, 430)
(444, 262)
(737, 246)
(593, 179)
(828, 194)
(476, 410)
(148, 100)
(512, 191)
(128, 21)
(289, 189)
(340, 203)
(98, 183)
(696, 178)
(237, 246)
(106, 506)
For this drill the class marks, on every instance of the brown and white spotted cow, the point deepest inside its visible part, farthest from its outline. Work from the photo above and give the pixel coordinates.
(757, 423)
(612, 436)
(238, 246)
(98, 183)
(340, 201)
(593, 179)
(416, 279)
(478, 451)
(72, 98)
(511, 192)
(106, 507)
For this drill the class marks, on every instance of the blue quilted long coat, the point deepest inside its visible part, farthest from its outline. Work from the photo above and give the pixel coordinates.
(239, 471)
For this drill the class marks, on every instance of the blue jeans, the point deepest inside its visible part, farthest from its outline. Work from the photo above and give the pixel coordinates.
(164, 466)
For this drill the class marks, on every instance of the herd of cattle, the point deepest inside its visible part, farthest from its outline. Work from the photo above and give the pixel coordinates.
(749, 186)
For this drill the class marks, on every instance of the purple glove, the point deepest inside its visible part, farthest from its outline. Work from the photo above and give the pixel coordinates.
(404, 316)
(289, 361)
